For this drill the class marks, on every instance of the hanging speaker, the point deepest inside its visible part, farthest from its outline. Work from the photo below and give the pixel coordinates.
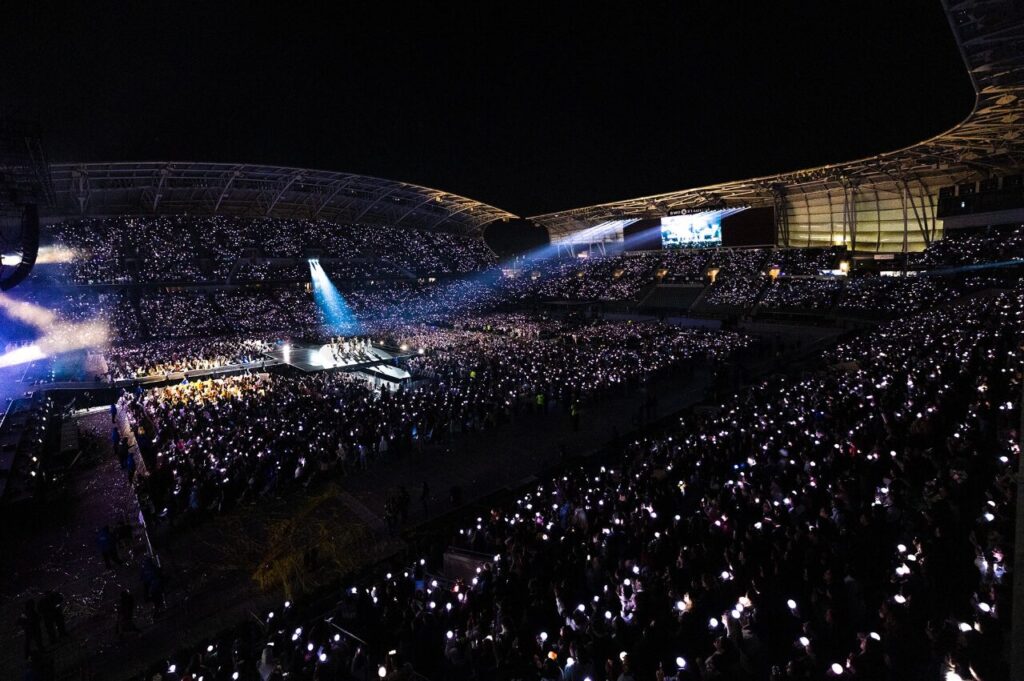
(29, 248)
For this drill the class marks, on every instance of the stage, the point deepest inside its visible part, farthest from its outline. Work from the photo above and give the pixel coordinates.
(310, 358)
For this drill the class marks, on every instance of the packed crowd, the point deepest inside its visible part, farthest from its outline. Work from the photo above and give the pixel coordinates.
(200, 458)
(180, 315)
(888, 296)
(685, 266)
(623, 276)
(850, 523)
(739, 280)
(733, 293)
(618, 277)
(251, 312)
(805, 261)
(517, 324)
(114, 308)
(972, 247)
(425, 303)
(738, 284)
(196, 249)
(802, 294)
(161, 357)
(748, 262)
(580, 363)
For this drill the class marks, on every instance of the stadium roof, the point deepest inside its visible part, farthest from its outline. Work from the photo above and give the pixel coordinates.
(990, 35)
(155, 187)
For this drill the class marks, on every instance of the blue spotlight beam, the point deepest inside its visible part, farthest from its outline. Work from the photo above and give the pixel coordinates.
(338, 316)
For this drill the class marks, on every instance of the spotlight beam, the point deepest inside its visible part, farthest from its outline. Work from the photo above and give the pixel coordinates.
(338, 316)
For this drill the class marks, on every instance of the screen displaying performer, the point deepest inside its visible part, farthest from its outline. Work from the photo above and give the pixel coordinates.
(699, 230)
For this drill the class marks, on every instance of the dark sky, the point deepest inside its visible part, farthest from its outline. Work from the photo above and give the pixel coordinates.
(530, 106)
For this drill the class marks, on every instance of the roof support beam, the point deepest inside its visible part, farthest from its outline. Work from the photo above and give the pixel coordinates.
(227, 187)
(416, 208)
(340, 185)
(297, 175)
(214, 188)
(80, 179)
(374, 203)
(158, 194)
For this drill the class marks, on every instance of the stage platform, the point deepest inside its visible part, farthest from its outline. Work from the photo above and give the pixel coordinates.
(311, 358)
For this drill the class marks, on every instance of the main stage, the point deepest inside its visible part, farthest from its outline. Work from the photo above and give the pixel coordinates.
(312, 358)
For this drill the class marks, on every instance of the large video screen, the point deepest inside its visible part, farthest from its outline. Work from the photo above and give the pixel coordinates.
(699, 230)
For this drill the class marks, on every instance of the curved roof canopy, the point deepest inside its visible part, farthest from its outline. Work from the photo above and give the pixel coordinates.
(155, 187)
(990, 35)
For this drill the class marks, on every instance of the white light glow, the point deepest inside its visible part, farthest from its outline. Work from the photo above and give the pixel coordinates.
(55, 336)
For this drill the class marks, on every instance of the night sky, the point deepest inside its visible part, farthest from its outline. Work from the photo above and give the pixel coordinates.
(533, 107)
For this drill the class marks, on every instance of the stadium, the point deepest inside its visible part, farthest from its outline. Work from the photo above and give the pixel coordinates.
(270, 422)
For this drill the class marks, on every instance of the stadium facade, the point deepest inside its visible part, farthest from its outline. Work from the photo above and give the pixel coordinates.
(890, 202)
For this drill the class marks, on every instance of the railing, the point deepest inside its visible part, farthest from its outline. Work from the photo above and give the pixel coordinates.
(133, 447)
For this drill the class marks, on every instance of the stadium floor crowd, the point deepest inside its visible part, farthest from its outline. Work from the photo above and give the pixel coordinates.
(201, 600)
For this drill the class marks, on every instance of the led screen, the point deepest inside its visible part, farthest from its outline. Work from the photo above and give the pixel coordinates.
(691, 231)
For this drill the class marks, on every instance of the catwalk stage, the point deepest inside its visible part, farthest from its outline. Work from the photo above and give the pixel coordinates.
(310, 358)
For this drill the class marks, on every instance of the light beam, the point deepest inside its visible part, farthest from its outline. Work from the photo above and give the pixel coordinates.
(55, 336)
(338, 316)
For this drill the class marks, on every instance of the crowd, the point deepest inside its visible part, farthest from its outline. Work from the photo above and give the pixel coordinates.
(971, 247)
(618, 277)
(738, 281)
(433, 303)
(733, 293)
(76, 306)
(138, 320)
(180, 315)
(580, 364)
(801, 294)
(161, 357)
(205, 249)
(685, 266)
(805, 261)
(748, 262)
(739, 284)
(854, 522)
(390, 266)
(251, 312)
(517, 324)
(624, 275)
(200, 457)
(849, 522)
(890, 296)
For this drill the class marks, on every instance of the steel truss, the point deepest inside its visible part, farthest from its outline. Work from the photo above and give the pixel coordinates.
(98, 189)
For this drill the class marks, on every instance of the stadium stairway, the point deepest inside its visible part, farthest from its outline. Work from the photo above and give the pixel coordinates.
(755, 307)
(673, 298)
(700, 299)
(234, 269)
(645, 293)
